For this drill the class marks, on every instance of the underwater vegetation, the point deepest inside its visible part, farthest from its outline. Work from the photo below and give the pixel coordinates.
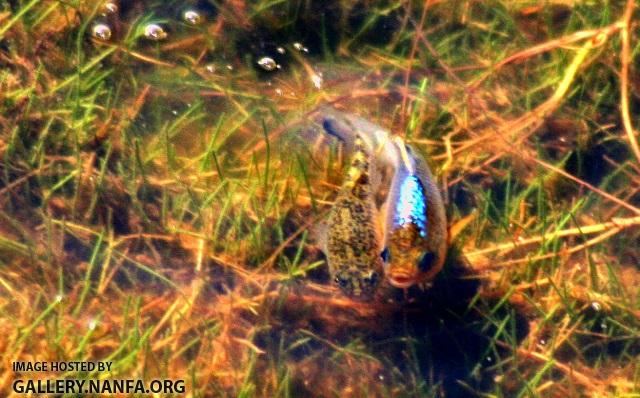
(163, 172)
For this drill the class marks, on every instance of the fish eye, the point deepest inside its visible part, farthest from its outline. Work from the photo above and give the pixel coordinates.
(385, 255)
(329, 126)
(341, 281)
(408, 149)
(371, 279)
(426, 261)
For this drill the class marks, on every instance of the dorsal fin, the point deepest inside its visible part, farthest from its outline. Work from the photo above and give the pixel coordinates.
(407, 159)
(358, 173)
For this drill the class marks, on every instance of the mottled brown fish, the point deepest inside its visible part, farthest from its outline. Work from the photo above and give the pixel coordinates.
(351, 238)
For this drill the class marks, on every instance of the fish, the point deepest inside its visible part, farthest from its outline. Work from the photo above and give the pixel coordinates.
(351, 237)
(415, 225)
(413, 218)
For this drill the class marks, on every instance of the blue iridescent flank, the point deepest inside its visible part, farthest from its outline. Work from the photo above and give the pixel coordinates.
(412, 205)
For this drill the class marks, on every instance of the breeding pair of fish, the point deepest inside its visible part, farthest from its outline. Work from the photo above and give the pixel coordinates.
(406, 237)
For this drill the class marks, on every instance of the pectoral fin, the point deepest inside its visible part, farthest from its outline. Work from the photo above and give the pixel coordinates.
(382, 222)
(318, 233)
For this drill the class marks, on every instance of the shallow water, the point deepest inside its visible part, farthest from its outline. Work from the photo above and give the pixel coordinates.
(163, 171)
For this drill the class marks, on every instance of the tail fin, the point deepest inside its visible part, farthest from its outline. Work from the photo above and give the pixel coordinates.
(376, 141)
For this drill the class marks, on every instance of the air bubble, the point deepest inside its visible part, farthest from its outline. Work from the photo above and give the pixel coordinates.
(192, 17)
(281, 50)
(267, 63)
(101, 31)
(298, 46)
(110, 7)
(154, 32)
(211, 68)
(596, 306)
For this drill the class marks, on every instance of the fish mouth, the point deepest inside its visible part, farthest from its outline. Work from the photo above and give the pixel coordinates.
(402, 280)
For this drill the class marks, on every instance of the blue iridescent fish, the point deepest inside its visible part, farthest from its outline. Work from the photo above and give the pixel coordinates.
(413, 217)
(415, 226)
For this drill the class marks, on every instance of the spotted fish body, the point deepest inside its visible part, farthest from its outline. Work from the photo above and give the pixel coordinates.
(413, 216)
(353, 239)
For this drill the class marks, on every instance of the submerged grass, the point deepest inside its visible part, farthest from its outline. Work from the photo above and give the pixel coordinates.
(158, 198)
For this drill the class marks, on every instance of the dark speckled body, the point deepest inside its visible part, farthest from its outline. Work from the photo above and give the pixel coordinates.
(353, 239)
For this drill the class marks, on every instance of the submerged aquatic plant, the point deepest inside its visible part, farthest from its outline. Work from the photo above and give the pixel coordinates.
(157, 196)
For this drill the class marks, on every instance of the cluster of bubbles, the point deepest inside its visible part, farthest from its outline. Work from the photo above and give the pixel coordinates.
(102, 30)
(269, 64)
(152, 31)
